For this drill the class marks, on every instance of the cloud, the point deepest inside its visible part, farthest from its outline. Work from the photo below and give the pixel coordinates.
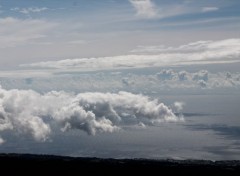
(201, 75)
(16, 31)
(1, 141)
(202, 83)
(179, 106)
(157, 81)
(183, 75)
(166, 74)
(210, 9)
(202, 78)
(201, 52)
(147, 9)
(29, 9)
(169, 79)
(144, 8)
(29, 113)
(198, 46)
(16, 115)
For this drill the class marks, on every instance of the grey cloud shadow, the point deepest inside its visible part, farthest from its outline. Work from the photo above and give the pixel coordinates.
(227, 150)
(232, 132)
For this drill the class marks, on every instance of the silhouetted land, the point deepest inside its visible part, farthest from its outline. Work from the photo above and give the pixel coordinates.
(16, 164)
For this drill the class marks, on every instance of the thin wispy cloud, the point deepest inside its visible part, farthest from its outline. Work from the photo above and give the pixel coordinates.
(144, 8)
(29, 9)
(210, 9)
(15, 31)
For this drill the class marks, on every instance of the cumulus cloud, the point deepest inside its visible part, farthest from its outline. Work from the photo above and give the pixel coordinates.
(201, 75)
(144, 8)
(202, 52)
(30, 113)
(179, 106)
(202, 78)
(169, 74)
(167, 79)
(202, 83)
(183, 75)
(166, 74)
(164, 79)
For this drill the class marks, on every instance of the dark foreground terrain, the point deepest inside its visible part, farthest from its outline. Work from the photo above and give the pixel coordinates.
(16, 164)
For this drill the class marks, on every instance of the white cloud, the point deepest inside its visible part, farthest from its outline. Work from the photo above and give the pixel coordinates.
(147, 9)
(194, 47)
(179, 106)
(201, 52)
(201, 75)
(1, 141)
(15, 31)
(29, 9)
(166, 74)
(168, 79)
(16, 115)
(209, 9)
(158, 81)
(144, 8)
(202, 78)
(30, 113)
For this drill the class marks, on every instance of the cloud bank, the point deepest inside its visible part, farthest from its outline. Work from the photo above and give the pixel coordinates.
(201, 52)
(176, 80)
(157, 81)
(27, 112)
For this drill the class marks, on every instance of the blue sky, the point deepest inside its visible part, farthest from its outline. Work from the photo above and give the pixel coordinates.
(122, 25)
(77, 75)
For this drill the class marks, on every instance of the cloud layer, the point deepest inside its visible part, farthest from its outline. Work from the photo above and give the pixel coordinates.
(157, 81)
(201, 52)
(29, 113)
(176, 80)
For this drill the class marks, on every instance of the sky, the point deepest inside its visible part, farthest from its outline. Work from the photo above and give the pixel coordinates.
(120, 79)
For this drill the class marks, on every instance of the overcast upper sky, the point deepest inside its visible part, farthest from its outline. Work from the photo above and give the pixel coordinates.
(148, 70)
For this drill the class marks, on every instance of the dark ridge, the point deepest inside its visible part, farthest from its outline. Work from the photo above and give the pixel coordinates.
(48, 165)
